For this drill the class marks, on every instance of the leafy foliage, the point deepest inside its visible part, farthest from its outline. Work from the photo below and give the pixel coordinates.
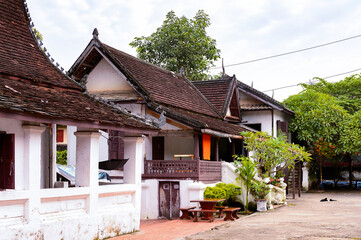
(62, 157)
(347, 91)
(214, 193)
(232, 191)
(269, 152)
(246, 169)
(180, 43)
(259, 189)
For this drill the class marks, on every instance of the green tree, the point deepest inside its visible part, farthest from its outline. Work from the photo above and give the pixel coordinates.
(347, 91)
(269, 152)
(328, 120)
(318, 116)
(180, 43)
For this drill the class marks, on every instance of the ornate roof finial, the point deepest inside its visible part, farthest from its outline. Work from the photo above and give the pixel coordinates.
(223, 70)
(95, 33)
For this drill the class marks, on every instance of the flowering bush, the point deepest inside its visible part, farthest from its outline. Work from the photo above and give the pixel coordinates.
(325, 149)
(274, 181)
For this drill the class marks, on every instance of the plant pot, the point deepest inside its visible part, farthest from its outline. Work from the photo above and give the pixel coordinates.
(261, 205)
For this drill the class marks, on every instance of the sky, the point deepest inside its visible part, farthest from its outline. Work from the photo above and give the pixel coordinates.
(244, 30)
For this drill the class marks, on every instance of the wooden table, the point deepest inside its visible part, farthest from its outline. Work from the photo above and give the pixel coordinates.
(180, 156)
(208, 204)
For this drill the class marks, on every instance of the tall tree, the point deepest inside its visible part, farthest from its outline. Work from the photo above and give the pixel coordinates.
(328, 120)
(180, 43)
(347, 91)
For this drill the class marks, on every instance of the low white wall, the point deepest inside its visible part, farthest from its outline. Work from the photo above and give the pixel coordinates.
(63, 213)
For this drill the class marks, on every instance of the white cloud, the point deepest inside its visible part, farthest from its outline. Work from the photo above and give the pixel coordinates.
(244, 30)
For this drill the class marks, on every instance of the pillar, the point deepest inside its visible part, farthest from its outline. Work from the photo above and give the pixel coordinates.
(196, 146)
(87, 165)
(217, 149)
(32, 170)
(134, 151)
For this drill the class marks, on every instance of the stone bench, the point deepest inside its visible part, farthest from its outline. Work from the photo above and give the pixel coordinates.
(207, 214)
(185, 212)
(231, 213)
(221, 209)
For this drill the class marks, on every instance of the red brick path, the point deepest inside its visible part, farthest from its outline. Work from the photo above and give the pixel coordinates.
(170, 229)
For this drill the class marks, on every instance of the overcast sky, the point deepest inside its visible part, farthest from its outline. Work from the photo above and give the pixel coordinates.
(244, 30)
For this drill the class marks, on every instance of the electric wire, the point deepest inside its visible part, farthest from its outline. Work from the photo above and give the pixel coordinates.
(288, 53)
(295, 85)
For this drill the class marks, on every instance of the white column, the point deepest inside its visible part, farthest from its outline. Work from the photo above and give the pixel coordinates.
(133, 149)
(305, 178)
(32, 170)
(87, 165)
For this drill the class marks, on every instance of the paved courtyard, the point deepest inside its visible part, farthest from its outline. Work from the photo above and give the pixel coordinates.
(303, 218)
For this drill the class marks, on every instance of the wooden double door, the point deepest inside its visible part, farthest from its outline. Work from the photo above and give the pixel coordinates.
(169, 199)
(7, 161)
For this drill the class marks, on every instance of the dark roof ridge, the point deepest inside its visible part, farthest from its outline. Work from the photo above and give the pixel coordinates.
(44, 50)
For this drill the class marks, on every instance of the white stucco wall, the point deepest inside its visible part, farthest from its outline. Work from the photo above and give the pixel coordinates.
(105, 77)
(263, 117)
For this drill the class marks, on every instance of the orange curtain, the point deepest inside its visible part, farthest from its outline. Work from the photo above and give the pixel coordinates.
(206, 142)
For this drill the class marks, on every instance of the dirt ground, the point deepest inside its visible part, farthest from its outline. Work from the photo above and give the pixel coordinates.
(302, 218)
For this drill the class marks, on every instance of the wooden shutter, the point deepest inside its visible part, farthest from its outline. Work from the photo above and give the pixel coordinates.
(283, 126)
(116, 145)
(59, 135)
(158, 148)
(7, 161)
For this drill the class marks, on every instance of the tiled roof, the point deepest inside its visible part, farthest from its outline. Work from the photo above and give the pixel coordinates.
(255, 107)
(20, 55)
(216, 91)
(163, 86)
(31, 85)
(19, 96)
(205, 122)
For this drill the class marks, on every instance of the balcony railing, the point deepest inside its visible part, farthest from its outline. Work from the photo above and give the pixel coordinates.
(208, 171)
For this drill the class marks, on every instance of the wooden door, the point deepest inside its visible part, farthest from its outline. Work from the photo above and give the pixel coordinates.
(169, 201)
(116, 145)
(158, 148)
(7, 161)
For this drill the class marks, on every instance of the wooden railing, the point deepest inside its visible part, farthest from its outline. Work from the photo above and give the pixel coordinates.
(183, 169)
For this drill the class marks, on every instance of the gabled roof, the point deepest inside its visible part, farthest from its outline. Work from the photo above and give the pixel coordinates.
(221, 93)
(31, 86)
(268, 102)
(161, 89)
(151, 82)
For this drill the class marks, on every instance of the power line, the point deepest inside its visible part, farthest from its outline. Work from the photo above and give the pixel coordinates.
(295, 85)
(288, 53)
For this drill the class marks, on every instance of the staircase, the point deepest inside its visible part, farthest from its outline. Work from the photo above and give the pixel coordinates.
(297, 171)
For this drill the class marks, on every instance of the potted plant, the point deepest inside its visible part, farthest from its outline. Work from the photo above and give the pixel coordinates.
(246, 169)
(260, 190)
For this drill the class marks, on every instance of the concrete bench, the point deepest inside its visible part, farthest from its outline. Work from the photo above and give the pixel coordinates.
(207, 214)
(185, 212)
(231, 213)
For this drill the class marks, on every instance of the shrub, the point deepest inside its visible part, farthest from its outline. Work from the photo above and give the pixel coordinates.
(223, 190)
(61, 157)
(259, 189)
